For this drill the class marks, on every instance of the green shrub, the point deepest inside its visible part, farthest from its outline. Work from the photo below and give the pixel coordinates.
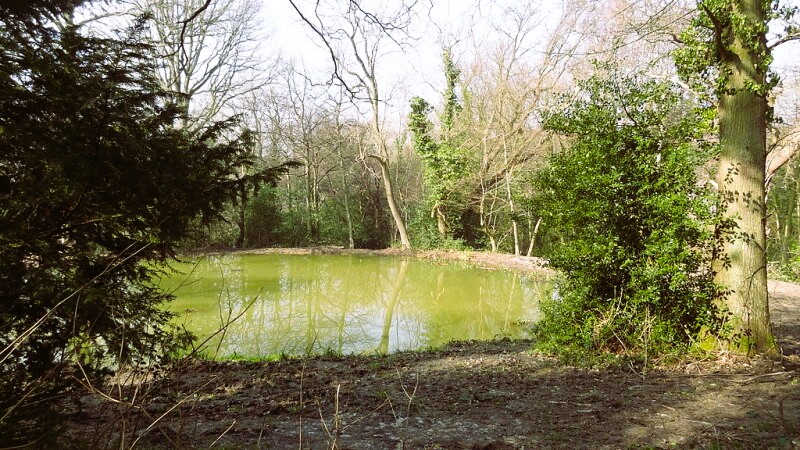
(263, 218)
(426, 236)
(636, 225)
(97, 187)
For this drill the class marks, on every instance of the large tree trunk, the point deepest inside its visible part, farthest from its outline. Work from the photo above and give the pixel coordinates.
(742, 266)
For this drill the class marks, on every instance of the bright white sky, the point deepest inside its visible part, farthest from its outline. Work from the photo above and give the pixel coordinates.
(418, 70)
(467, 24)
(403, 74)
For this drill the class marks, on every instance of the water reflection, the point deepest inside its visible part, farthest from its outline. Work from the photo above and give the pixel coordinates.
(303, 304)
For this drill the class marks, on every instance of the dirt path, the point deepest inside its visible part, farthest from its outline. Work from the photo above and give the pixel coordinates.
(495, 395)
(784, 305)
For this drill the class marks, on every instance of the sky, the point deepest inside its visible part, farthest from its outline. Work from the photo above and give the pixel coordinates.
(415, 69)
(418, 70)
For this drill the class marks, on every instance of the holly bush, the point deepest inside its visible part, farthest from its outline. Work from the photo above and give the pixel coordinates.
(635, 222)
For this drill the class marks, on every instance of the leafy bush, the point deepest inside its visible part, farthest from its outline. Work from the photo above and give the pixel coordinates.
(636, 225)
(425, 235)
(263, 218)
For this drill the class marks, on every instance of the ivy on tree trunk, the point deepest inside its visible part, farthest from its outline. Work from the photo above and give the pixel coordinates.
(727, 43)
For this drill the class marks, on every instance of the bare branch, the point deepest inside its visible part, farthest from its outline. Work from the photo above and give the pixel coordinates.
(189, 20)
(784, 39)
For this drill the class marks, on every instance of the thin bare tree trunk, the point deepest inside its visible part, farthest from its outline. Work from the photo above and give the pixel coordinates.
(514, 228)
(346, 189)
(389, 190)
(533, 236)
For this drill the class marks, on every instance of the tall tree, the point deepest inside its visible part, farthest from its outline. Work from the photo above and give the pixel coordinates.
(95, 180)
(354, 37)
(505, 88)
(209, 51)
(727, 43)
(445, 160)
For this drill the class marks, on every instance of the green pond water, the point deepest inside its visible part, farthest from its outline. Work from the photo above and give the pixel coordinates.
(311, 304)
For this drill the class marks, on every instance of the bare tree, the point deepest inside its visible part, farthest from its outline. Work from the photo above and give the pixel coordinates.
(209, 49)
(507, 86)
(355, 39)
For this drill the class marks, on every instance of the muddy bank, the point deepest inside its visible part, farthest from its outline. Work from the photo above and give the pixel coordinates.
(473, 395)
(494, 395)
(486, 260)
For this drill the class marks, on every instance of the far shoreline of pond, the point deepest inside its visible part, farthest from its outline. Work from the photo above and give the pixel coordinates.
(529, 265)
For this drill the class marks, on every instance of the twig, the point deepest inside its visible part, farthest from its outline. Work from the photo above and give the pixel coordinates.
(300, 434)
(337, 425)
(223, 433)
(765, 375)
(410, 397)
(223, 328)
(180, 402)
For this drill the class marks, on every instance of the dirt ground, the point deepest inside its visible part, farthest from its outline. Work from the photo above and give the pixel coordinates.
(476, 395)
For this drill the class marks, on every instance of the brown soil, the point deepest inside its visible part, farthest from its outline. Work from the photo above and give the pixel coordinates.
(476, 395)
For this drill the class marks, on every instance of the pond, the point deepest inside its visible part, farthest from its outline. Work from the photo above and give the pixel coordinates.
(312, 304)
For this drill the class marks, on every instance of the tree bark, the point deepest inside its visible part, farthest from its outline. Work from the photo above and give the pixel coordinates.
(350, 241)
(388, 188)
(534, 232)
(441, 223)
(742, 266)
(514, 227)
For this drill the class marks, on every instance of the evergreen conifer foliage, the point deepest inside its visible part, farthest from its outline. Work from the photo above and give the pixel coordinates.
(625, 200)
(95, 180)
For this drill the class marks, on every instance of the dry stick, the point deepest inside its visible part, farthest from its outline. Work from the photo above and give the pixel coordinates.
(131, 404)
(394, 413)
(300, 435)
(223, 433)
(410, 397)
(93, 390)
(261, 432)
(337, 419)
(765, 375)
(132, 379)
(376, 409)
(334, 437)
(180, 402)
(223, 320)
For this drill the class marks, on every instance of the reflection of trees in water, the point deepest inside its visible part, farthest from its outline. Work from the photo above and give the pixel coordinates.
(399, 280)
(350, 304)
(475, 304)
